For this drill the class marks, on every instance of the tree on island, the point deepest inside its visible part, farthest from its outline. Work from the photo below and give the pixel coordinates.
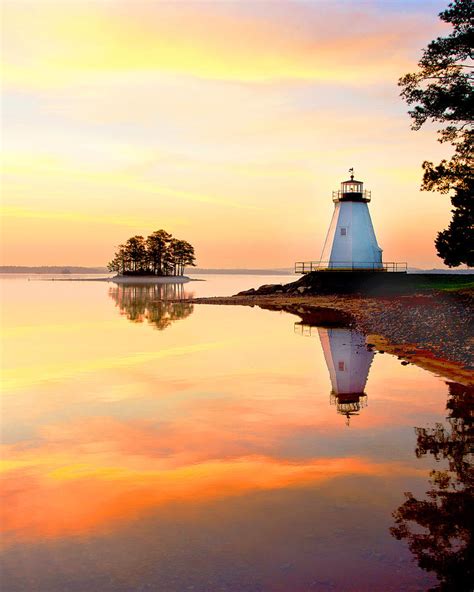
(442, 91)
(156, 247)
(159, 254)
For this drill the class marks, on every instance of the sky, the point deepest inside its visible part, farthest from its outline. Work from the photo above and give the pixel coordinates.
(227, 124)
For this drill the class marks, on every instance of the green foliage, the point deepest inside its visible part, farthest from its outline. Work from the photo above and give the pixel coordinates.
(442, 91)
(156, 246)
(445, 282)
(455, 245)
(158, 254)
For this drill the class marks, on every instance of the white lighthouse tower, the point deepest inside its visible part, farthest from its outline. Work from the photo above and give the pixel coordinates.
(348, 362)
(350, 243)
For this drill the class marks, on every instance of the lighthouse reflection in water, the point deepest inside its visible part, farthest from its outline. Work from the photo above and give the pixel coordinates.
(348, 361)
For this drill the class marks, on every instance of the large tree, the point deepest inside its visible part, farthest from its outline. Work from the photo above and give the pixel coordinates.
(135, 248)
(156, 245)
(182, 255)
(442, 91)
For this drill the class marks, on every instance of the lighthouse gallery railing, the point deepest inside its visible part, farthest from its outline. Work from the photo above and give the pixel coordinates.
(309, 266)
(339, 195)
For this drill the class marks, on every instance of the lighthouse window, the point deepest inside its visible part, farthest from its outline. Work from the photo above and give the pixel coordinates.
(341, 366)
(343, 231)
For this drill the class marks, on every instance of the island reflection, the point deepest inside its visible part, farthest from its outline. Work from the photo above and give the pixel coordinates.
(348, 360)
(439, 527)
(155, 303)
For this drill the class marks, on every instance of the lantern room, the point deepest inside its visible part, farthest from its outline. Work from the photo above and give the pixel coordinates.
(351, 190)
(352, 186)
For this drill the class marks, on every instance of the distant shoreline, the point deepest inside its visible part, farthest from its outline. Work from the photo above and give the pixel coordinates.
(127, 279)
(71, 269)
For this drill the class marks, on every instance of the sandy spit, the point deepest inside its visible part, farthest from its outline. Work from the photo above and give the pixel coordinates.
(124, 279)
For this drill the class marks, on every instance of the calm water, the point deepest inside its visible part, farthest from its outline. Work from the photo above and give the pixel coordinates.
(151, 446)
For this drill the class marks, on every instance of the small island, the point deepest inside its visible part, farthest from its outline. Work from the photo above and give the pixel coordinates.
(159, 257)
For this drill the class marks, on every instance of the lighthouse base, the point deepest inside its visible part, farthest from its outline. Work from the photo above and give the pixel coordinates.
(355, 281)
(302, 267)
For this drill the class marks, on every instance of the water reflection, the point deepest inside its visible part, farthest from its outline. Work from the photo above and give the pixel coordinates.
(348, 361)
(192, 458)
(150, 303)
(439, 527)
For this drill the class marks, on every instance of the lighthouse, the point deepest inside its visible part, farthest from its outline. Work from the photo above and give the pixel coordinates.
(348, 362)
(350, 242)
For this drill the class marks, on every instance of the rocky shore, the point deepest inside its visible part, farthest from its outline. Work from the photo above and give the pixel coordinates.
(430, 328)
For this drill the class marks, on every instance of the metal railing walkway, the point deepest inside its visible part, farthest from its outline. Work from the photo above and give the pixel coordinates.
(310, 266)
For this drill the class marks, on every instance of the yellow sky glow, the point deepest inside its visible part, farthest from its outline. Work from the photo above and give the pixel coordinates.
(226, 124)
